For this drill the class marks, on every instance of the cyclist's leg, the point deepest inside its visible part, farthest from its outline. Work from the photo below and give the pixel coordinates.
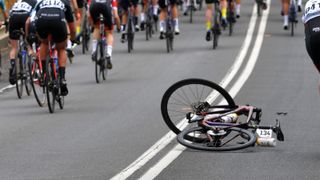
(79, 17)
(93, 16)
(136, 13)
(285, 6)
(238, 6)
(109, 34)
(155, 10)
(144, 10)
(162, 17)
(124, 5)
(17, 22)
(185, 7)
(209, 19)
(175, 15)
(223, 6)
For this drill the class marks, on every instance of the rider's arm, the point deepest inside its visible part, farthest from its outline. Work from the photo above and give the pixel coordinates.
(115, 13)
(70, 20)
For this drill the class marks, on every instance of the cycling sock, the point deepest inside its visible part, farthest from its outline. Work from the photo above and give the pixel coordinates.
(123, 27)
(12, 62)
(142, 17)
(155, 10)
(176, 23)
(238, 9)
(62, 72)
(109, 50)
(299, 2)
(94, 45)
(69, 44)
(161, 24)
(78, 29)
(285, 20)
(224, 12)
(208, 25)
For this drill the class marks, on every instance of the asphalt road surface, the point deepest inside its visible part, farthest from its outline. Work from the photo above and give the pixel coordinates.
(115, 129)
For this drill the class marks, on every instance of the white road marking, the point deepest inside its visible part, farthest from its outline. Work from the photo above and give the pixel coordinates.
(6, 88)
(166, 139)
(178, 149)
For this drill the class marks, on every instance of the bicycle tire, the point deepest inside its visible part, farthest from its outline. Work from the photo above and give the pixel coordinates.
(215, 40)
(230, 28)
(50, 85)
(36, 79)
(27, 83)
(98, 71)
(84, 36)
(181, 92)
(19, 78)
(292, 28)
(171, 41)
(245, 140)
(259, 9)
(103, 68)
(191, 13)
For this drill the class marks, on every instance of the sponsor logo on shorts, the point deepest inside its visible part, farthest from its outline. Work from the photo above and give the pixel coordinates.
(316, 29)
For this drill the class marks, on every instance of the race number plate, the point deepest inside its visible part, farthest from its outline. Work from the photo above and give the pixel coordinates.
(264, 133)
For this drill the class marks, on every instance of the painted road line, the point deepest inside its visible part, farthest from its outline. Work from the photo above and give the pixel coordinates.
(178, 149)
(6, 88)
(166, 139)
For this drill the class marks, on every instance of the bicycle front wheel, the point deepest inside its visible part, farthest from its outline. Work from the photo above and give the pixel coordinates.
(215, 40)
(37, 82)
(27, 78)
(228, 139)
(187, 96)
(19, 78)
(51, 90)
(99, 63)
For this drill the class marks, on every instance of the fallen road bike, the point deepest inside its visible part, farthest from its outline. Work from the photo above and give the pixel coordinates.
(205, 117)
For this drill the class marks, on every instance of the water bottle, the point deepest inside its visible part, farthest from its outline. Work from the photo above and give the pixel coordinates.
(23, 56)
(230, 118)
(55, 60)
(267, 142)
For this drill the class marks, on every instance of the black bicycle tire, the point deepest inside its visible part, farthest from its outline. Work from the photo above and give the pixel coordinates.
(170, 91)
(40, 103)
(171, 41)
(292, 28)
(259, 9)
(215, 40)
(230, 28)
(27, 84)
(84, 36)
(103, 68)
(186, 141)
(97, 66)
(191, 13)
(51, 96)
(19, 78)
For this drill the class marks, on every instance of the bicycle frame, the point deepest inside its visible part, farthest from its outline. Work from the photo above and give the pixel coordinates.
(252, 122)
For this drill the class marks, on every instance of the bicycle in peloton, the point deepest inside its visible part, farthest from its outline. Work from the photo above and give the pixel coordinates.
(130, 29)
(22, 68)
(169, 31)
(216, 26)
(151, 25)
(85, 31)
(231, 16)
(293, 15)
(100, 61)
(205, 117)
(52, 79)
(36, 73)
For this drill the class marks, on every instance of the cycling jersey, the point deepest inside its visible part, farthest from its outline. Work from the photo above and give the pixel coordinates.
(51, 16)
(103, 7)
(312, 10)
(19, 13)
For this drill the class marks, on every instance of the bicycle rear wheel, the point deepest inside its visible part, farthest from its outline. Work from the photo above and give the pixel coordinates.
(100, 63)
(19, 78)
(292, 27)
(187, 96)
(228, 139)
(51, 89)
(215, 40)
(37, 82)
(84, 36)
(191, 12)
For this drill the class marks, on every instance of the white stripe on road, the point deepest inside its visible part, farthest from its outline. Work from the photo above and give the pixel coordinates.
(6, 88)
(178, 149)
(166, 139)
